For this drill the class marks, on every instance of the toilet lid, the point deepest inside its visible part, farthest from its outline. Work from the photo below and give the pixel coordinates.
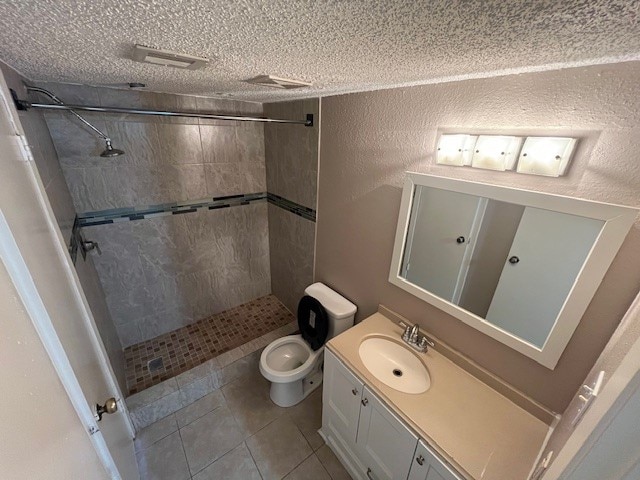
(313, 322)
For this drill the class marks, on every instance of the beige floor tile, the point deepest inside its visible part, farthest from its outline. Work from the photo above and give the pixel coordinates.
(199, 408)
(248, 399)
(154, 432)
(331, 464)
(307, 415)
(278, 448)
(310, 469)
(164, 460)
(209, 438)
(235, 465)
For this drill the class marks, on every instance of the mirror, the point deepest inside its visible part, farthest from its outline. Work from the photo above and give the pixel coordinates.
(521, 266)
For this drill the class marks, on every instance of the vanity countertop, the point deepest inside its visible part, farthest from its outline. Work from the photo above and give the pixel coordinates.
(480, 432)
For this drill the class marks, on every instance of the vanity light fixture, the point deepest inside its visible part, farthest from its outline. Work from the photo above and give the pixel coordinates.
(455, 149)
(496, 152)
(548, 156)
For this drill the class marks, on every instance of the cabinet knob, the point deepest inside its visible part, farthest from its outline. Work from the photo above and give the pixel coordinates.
(420, 460)
(354, 391)
(461, 239)
(364, 402)
(513, 260)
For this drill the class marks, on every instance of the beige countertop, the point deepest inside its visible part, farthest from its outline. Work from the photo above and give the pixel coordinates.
(480, 432)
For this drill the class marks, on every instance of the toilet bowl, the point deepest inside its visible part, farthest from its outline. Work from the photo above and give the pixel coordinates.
(293, 364)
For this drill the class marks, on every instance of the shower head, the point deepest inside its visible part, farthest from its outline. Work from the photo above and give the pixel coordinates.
(110, 151)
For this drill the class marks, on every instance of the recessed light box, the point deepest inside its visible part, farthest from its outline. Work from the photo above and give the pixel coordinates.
(496, 152)
(549, 156)
(455, 149)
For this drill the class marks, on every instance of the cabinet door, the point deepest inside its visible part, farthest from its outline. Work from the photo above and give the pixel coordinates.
(341, 396)
(384, 445)
(427, 466)
(434, 260)
(548, 252)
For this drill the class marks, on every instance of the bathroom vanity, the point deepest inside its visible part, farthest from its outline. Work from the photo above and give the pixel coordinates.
(459, 428)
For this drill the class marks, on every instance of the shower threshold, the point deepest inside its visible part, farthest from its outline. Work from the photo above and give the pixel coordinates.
(153, 361)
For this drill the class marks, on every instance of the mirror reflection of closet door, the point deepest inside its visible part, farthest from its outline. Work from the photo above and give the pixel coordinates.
(547, 254)
(439, 241)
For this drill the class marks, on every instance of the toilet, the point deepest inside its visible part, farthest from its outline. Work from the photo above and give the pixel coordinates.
(293, 364)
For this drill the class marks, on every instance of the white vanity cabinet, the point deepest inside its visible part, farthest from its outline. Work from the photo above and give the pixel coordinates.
(370, 440)
(341, 396)
(384, 444)
(427, 466)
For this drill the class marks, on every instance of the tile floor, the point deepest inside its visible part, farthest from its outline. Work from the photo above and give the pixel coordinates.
(236, 432)
(195, 344)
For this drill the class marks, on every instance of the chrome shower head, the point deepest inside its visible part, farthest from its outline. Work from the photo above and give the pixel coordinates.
(110, 151)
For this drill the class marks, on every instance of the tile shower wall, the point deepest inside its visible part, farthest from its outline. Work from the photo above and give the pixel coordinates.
(46, 159)
(291, 154)
(162, 273)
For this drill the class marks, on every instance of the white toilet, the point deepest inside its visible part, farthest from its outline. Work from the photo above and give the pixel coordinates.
(293, 364)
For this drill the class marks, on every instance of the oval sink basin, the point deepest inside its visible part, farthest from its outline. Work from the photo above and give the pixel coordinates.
(394, 365)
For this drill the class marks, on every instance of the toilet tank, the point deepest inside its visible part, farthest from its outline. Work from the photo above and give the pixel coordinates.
(341, 312)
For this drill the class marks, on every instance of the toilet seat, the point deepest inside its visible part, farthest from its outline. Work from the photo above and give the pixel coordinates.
(276, 356)
(313, 322)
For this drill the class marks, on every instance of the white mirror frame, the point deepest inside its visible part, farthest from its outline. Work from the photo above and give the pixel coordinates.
(618, 220)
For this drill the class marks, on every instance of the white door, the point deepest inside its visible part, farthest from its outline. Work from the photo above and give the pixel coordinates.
(434, 257)
(547, 254)
(36, 258)
(385, 445)
(427, 466)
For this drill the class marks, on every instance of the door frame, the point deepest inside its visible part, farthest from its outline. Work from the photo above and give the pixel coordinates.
(623, 382)
(20, 275)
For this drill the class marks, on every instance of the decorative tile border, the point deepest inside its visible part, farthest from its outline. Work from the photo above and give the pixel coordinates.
(127, 214)
(296, 208)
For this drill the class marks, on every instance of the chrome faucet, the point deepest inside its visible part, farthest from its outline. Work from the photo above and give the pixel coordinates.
(415, 339)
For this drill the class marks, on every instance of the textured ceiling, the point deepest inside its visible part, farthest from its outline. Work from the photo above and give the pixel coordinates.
(340, 46)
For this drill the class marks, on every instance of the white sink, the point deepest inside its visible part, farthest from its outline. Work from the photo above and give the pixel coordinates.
(394, 365)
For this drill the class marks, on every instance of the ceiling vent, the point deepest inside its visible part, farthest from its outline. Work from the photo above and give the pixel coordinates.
(167, 58)
(277, 82)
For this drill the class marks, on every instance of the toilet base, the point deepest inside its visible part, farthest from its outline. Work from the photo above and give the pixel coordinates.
(292, 393)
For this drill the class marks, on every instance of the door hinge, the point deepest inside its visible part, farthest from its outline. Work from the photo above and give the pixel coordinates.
(93, 429)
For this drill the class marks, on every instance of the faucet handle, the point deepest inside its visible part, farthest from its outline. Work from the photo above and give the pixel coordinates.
(407, 333)
(426, 341)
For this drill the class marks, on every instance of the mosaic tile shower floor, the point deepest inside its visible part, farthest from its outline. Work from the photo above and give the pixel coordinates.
(190, 346)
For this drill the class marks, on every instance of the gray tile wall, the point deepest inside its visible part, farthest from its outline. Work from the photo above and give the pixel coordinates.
(50, 171)
(166, 160)
(163, 273)
(291, 156)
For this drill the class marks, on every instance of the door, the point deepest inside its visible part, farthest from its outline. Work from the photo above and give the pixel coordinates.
(385, 445)
(36, 258)
(547, 253)
(434, 257)
(341, 397)
(428, 466)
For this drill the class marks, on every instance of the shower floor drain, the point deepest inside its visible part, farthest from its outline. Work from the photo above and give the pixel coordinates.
(155, 365)
(397, 372)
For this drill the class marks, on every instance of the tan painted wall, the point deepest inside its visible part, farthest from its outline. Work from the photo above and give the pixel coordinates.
(41, 435)
(369, 139)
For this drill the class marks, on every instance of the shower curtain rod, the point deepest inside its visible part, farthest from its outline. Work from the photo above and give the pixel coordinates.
(24, 105)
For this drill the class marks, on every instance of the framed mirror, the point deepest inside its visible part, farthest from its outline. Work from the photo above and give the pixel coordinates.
(520, 266)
